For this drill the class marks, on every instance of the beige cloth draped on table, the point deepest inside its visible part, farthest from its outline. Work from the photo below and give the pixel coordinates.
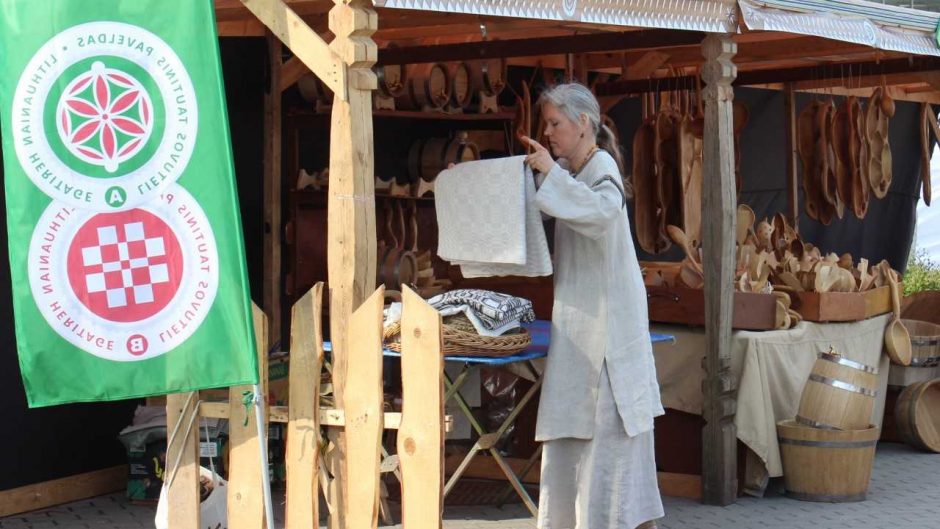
(771, 368)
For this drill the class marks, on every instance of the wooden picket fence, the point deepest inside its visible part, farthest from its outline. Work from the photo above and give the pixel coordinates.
(420, 426)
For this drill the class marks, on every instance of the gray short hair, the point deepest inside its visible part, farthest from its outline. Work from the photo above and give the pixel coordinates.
(574, 99)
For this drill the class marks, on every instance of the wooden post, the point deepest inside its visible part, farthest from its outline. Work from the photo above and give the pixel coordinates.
(421, 435)
(719, 441)
(793, 193)
(351, 252)
(183, 494)
(245, 501)
(303, 429)
(273, 178)
(364, 419)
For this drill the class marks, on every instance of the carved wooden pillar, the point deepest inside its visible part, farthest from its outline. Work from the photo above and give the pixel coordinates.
(351, 221)
(719, 440)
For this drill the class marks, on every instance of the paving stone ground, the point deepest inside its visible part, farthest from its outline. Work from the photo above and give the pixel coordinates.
(904, 494)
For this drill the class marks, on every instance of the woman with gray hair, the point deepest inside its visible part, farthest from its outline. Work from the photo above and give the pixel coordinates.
(600, 392)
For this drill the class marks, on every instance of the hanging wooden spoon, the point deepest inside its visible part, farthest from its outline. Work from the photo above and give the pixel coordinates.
(679, 237)
(897, 338)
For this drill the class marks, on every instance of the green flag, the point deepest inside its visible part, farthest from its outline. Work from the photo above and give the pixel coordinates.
(125, 241)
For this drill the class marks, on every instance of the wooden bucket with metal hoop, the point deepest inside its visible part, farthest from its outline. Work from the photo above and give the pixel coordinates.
(428, 157)
(917, 413)
(826, 465)
(839, 394)
(429, 87)
(925, 342)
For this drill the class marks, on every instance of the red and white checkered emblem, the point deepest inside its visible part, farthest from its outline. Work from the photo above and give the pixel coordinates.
(125, 267)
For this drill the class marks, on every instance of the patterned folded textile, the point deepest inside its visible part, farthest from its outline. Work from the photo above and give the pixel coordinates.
(492, 313)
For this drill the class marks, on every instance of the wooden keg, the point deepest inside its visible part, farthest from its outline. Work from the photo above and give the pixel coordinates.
(461, 88)
(488, 76)
(917, 413)
(313, 90)
(925, 342)
(392, 80)
(430, 156)
(839, 394)
(429, 87)
(826, 465)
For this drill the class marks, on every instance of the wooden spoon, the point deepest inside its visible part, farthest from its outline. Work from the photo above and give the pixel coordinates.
(680, 238)
(897, 339)
(745, 223)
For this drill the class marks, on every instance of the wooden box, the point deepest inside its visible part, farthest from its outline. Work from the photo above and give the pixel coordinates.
(756, 312)
(844, 306)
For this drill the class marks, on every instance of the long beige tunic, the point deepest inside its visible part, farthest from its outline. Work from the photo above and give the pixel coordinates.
(600, 313)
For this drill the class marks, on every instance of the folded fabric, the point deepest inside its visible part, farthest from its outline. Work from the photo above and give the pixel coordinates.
(491, 313)
(488, 222)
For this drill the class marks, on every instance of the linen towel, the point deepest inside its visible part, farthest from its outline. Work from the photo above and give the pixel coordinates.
(488, 222)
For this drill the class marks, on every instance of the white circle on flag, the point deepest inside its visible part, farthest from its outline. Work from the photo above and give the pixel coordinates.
(104, 117)
(127, 285)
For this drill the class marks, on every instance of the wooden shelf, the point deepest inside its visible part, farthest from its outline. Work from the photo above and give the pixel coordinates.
(508, 115)
(310, 196)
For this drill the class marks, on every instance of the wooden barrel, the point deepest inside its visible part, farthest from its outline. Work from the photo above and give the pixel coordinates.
(917, 413)
(826, 465)
(461, 89)
(925, 342)
(488, 76)
(392, 79)
(429, 87)
(839, 394)
(428, 157)
(313, 90)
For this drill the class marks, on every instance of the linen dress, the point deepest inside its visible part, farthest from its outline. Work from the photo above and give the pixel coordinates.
(600, 393)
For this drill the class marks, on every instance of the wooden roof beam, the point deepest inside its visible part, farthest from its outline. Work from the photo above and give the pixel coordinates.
(832, 72)
(646, 39)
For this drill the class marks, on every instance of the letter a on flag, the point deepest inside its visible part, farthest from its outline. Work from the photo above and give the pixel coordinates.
(125, 240)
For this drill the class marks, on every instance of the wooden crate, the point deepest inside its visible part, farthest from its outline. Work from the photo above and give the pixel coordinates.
(686, 305)
(844, 306)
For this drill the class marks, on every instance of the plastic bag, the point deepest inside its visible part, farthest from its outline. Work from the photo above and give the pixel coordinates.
(212, 510)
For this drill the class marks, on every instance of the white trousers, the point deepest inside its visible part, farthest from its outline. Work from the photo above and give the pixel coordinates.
(608, 482)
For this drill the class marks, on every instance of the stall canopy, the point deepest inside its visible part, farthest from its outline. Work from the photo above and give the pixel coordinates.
(872, 24)
(883, 27)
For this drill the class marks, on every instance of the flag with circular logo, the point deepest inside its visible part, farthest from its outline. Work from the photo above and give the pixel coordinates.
(125, 240)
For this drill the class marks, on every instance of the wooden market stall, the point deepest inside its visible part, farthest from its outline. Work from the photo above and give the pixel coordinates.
(626, 50)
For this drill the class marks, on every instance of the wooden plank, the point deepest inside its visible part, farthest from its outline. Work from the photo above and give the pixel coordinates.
(646, 39)
(303, 432)
(327, 416)
(271, 209)
(240, 28)
(719, 443)
(303, 41)
(291, 72)
(680, 485)
(421, 436)
(245, 502)
(793, 193)
(833, 72)
(182, 478)
(351, 252)
(63, 490)
(750, 310)
(363, 407)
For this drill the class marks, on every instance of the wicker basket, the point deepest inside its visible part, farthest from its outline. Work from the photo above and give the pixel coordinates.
(925, 342)
(460, 339)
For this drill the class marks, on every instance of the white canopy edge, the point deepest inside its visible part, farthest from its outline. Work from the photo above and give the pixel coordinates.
(695, 15)
(844, 24)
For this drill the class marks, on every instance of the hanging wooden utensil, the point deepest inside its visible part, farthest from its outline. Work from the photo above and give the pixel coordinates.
(925, 111)
(897, 338)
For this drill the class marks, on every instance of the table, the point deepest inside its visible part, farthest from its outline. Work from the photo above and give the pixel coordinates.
(770, 368)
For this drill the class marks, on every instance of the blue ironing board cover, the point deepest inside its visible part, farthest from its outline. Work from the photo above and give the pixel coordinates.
(539, 330)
